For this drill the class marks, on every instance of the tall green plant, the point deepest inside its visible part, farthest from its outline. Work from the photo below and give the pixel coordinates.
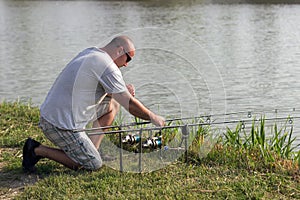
(233, 138)
(278, 145)
(282, 142)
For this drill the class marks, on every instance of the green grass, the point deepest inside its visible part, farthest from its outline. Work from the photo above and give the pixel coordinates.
(17, 122)
(174, 182)
(239, 166)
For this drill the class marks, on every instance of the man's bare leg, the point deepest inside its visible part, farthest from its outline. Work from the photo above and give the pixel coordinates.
(57, 155)
(105, 120)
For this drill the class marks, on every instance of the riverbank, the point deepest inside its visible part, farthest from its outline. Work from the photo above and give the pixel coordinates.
(233, 169)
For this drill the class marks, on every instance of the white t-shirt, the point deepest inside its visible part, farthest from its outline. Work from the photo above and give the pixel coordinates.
(74, 98)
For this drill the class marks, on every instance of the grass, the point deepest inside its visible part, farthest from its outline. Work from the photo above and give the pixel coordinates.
(241, 165)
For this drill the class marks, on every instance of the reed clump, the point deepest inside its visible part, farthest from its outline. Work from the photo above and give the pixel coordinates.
(256, 149)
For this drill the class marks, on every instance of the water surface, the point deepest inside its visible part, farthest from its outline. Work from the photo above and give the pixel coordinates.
(192, 58)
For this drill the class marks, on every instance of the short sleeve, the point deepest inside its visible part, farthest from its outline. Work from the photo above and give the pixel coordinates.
(113, 82)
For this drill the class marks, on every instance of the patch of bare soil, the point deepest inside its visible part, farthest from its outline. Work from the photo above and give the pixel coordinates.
(13, 182)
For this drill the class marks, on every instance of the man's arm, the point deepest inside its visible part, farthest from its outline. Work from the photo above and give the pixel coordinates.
(136, 108)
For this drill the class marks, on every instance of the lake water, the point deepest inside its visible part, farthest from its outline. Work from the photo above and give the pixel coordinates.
(192, 58)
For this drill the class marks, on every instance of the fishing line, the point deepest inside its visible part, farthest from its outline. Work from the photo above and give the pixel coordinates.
(208, 118)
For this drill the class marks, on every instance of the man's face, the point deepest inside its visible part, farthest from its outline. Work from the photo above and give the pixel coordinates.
(125, 56)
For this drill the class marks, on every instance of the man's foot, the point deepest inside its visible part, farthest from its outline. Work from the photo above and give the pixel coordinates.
(29, 157)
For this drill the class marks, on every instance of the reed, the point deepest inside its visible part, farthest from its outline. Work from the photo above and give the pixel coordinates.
(259, 145)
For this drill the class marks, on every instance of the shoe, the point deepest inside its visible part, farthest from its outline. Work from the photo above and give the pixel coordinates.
(29, 157)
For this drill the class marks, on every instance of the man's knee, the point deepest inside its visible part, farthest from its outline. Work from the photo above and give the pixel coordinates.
(108, 107)
(96, 167)
(94, 164)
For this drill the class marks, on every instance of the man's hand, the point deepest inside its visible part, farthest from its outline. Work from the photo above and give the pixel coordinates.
(131, 89)
(157, 120)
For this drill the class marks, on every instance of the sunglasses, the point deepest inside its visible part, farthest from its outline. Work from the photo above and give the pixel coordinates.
(128, 59)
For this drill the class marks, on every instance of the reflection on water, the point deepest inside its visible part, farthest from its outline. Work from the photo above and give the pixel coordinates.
(192, 57)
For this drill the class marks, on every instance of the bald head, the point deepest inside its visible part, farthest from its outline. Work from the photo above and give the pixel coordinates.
(119, 47)
(123, 40)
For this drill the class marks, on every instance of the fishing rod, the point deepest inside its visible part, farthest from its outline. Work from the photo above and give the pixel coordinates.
(96, 132)
(207, 116)
(137, 124)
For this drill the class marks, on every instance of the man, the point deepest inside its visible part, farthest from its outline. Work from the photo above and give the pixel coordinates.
(89, 89)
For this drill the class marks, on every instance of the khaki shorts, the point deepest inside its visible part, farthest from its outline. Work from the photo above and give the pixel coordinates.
(104, 106)
(77, 145)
